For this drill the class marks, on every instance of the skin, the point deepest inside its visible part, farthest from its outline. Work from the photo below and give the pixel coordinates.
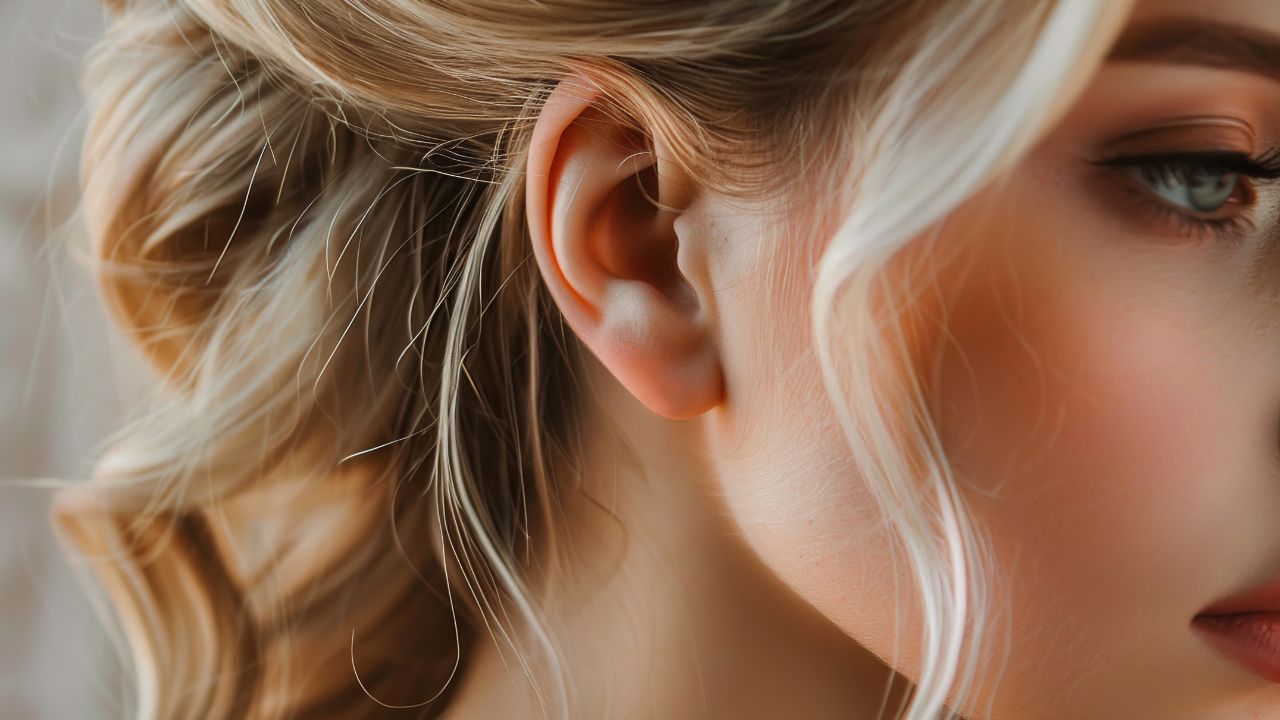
(1105, 387)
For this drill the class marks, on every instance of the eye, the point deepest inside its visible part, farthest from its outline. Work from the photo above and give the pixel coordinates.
(1197, 194)
(1199, 183)
(1197, 188)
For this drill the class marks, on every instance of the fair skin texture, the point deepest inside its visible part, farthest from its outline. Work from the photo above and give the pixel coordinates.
(1107, 389)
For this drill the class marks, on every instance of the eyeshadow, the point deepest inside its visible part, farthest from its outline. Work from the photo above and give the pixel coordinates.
(1187, 134)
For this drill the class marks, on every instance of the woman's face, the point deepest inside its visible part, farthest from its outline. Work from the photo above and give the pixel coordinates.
(1108, 384)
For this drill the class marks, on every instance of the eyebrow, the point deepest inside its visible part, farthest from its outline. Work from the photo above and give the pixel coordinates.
(1199, 41)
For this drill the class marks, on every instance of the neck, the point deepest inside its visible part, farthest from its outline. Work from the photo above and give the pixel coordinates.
(662, 610)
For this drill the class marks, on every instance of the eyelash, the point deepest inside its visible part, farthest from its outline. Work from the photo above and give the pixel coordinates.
(1184, 165)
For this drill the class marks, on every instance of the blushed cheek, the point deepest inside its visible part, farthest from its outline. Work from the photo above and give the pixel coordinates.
(1088, 425)
(1027, 400)
(1086, 414)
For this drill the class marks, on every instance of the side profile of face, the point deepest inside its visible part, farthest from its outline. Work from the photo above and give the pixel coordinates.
(1104, 369)
(1108, 385)
(1095, 331)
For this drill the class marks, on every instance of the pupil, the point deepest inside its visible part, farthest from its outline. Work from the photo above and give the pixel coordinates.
(1209, 192)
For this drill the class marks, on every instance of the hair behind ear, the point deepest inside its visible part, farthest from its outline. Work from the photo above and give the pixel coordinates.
(241, 229)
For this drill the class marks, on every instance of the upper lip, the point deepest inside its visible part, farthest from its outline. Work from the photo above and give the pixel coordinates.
(1263, 598)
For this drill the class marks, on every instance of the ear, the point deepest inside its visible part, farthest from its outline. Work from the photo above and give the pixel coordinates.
(604, 213)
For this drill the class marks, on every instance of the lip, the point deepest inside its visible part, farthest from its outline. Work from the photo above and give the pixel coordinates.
(1250, 639)
(1246, 629)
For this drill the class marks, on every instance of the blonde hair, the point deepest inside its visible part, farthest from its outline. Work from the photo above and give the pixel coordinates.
(309, 216)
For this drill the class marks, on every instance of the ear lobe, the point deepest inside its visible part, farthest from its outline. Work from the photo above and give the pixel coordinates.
(602, 210)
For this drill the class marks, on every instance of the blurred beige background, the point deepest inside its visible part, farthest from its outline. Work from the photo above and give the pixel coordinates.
(63, 377)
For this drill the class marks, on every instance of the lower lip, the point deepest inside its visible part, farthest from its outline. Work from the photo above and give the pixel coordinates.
(1251, 639)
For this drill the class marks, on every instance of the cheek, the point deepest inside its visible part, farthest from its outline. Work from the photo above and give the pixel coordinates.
(1091, 429)
(773, 435)
(1072, 398)
(1083, 421)
(782, 462)
(1090, 405)
(784, 468)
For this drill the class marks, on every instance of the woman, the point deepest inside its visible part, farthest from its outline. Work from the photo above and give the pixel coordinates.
(675, 359)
